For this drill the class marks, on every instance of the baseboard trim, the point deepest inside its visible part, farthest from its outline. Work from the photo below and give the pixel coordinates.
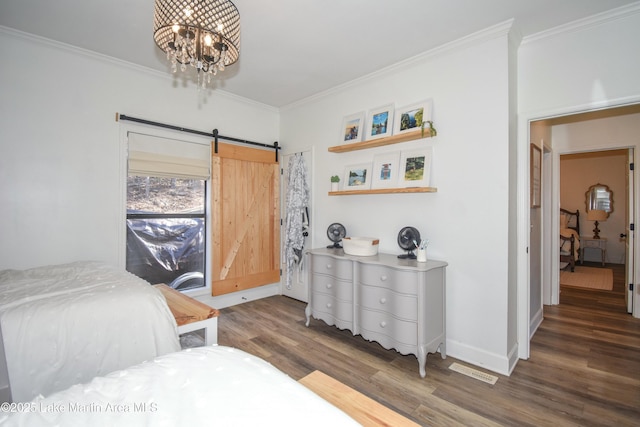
(235, 298)
(501, 364)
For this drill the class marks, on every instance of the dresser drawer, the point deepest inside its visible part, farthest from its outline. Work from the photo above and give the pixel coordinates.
(335, 308)
(383, 299)
(375, 324)
(340, 269)
(592, 243)
(331, 286)
(405, 282)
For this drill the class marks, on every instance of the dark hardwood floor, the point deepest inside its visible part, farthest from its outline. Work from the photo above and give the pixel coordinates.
(584, 368)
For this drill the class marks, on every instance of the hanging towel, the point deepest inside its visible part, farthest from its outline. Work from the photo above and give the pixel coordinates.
(296, 204)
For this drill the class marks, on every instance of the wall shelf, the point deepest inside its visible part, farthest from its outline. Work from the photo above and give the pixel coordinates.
(394, 139)
(384, 191)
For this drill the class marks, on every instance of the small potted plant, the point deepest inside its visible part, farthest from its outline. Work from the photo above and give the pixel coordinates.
(335, 180)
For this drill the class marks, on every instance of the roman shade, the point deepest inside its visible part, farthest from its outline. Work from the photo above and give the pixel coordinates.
(163, 157)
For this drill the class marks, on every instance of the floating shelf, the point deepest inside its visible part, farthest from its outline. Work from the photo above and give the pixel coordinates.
(395, 139)
(384, 191)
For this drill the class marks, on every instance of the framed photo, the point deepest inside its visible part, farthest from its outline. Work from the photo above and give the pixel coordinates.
(357, 177)
(415, 168)
(535, 170)
(380, 122)
(352, 128)
(385, 170)
(410, 118)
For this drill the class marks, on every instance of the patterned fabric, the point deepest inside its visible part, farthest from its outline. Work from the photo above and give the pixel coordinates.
(296, 204)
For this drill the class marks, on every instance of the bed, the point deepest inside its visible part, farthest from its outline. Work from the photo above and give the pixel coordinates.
(65, 324)
(213, 385)
(569, 238)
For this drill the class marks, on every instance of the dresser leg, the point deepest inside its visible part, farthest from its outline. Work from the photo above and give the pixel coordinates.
(307, 312)
(422, 360)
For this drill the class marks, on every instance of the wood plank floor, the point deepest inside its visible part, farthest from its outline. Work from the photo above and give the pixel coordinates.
(584, 368)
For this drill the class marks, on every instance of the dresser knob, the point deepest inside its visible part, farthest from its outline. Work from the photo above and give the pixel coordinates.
(383, 300)
(383, 278)
(329, 285)
(329, 266)
(383, 324)
(328, 305)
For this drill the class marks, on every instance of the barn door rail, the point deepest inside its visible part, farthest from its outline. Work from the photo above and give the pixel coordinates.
(214, 133)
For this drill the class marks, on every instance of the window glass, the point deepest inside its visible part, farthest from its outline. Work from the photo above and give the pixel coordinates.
(166, 230)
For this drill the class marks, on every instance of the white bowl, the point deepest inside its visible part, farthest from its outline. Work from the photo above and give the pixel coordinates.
(360, 246)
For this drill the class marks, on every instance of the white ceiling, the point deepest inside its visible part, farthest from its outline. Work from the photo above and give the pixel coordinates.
(292, 49)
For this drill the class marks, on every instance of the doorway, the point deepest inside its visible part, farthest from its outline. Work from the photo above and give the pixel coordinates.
(603, 243)
(595, 137)
(595, 133)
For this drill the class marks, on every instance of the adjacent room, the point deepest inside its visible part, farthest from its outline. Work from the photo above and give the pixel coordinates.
(347, 213)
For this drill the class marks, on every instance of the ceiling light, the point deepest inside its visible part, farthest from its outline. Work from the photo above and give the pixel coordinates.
(204, 34)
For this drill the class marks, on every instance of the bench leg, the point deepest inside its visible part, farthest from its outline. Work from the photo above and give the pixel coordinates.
(210, 327)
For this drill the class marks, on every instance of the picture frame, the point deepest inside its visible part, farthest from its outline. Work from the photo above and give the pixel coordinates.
(535, 170)
(384, 173)
(352, 128)
(415, 168)
(380, 122)
(357, 177)
(411, 117)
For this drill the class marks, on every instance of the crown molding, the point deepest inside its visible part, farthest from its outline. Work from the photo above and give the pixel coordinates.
(17, 34)
(585, 23)
(499, 30)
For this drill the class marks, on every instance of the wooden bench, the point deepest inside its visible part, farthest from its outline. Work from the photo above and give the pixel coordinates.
(361, 408)
(190, 314)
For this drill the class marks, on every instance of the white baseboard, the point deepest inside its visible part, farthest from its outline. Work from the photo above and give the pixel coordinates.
(502, 364)
(239, 297)
(535, 322)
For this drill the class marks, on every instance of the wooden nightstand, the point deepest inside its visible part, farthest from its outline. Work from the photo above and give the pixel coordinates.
(591, 243)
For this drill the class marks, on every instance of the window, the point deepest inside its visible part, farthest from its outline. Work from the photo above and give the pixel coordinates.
(166, 230)
(166, 210)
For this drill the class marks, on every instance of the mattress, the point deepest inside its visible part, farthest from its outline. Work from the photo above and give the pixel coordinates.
(215, 385)
(65, 324)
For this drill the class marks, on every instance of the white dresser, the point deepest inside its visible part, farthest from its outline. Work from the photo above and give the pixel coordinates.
(398, 303)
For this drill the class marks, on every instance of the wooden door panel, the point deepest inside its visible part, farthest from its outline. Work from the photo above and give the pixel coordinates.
(245, 219)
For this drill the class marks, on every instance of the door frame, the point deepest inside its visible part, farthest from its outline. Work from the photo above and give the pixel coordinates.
(523, 211)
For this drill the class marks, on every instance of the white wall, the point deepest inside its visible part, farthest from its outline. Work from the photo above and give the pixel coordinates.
(467, 219)
(590, 65)
(61, 172)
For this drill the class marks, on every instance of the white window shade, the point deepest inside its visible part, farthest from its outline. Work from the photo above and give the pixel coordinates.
(155, 156)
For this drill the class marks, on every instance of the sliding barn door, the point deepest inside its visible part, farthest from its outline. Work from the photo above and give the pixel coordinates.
(245, 218)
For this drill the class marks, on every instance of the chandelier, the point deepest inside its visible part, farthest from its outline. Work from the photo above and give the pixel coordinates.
(204, 34)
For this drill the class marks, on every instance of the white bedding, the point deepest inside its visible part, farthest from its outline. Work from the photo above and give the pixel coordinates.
(215, 386)
(65, 324)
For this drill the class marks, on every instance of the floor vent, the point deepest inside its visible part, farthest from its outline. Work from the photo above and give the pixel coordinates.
(473, 373)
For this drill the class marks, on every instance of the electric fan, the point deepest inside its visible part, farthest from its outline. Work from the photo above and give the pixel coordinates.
(408, 240)
(335, 233)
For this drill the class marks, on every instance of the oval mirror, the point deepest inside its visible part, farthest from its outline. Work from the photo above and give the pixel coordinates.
(599, 197)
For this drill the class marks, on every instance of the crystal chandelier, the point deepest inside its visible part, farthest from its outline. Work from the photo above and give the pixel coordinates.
(202, 33)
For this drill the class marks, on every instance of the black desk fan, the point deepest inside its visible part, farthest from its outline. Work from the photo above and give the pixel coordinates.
(335, 233)
(408, 240)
